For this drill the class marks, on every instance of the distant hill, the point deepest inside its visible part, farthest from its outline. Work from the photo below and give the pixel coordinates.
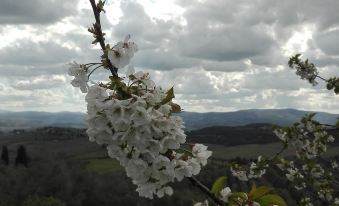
(193, 120)
(31, 119)
(240, 135)
(282, 117)
(235, 135)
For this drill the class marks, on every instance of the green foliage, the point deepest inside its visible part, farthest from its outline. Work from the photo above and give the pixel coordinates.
(169, 96)
(42, 201)
(269, 200)
(262, 196)
(168, 99)
(218, 185)
(337, 124)
(257, 193)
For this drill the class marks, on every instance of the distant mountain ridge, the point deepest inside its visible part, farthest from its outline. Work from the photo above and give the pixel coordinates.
(193, 120)
(32, 119)
(282, 117)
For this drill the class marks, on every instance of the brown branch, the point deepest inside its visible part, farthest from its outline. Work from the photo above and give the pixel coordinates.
(100, 36)
(205, 190)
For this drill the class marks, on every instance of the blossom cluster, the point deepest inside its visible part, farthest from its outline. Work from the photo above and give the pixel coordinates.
(304, 69)
(306, 201)
(256, 170)
(309, 138)
(304, 174)
(133, 119)
(293, 174)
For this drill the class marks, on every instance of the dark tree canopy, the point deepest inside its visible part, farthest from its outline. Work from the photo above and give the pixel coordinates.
(22, 157)
(4, 155)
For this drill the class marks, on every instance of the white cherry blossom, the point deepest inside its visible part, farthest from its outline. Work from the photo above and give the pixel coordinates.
(80, 76)
(225, 194)
(121, 54)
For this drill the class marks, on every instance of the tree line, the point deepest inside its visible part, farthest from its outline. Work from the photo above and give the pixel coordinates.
(21, 156)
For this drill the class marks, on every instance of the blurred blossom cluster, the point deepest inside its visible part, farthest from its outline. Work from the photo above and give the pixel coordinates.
(304, 69)
(310, 141)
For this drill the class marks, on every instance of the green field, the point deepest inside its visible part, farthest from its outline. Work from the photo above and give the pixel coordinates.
(254, 150)
(103, 165)
(100, 163)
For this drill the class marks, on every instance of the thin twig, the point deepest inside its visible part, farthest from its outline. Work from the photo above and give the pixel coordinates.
(322, 78)
(91, 64)
(279, 153)
(100, 36)
(205, 190)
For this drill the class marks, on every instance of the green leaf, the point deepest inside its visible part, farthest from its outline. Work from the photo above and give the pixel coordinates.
(169, 96)
(218, 185)
(259, 192)
(269, 200)
(253, 189)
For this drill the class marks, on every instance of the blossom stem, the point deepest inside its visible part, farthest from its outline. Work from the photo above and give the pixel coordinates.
(94, 70)
(100, 36)
(205, 190)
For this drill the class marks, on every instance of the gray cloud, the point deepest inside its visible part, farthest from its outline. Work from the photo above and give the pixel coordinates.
(225, 66)
(326, 41)
(273, 80)
(25, 52)
(40, 82)
(161, 60)
(228, 44)
(19, 71)
(35, 11)
(170, 45)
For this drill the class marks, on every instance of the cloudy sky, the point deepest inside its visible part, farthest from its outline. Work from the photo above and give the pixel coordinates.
(220, 55)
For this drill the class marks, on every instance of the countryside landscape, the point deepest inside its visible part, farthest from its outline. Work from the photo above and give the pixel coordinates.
(65, 165)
